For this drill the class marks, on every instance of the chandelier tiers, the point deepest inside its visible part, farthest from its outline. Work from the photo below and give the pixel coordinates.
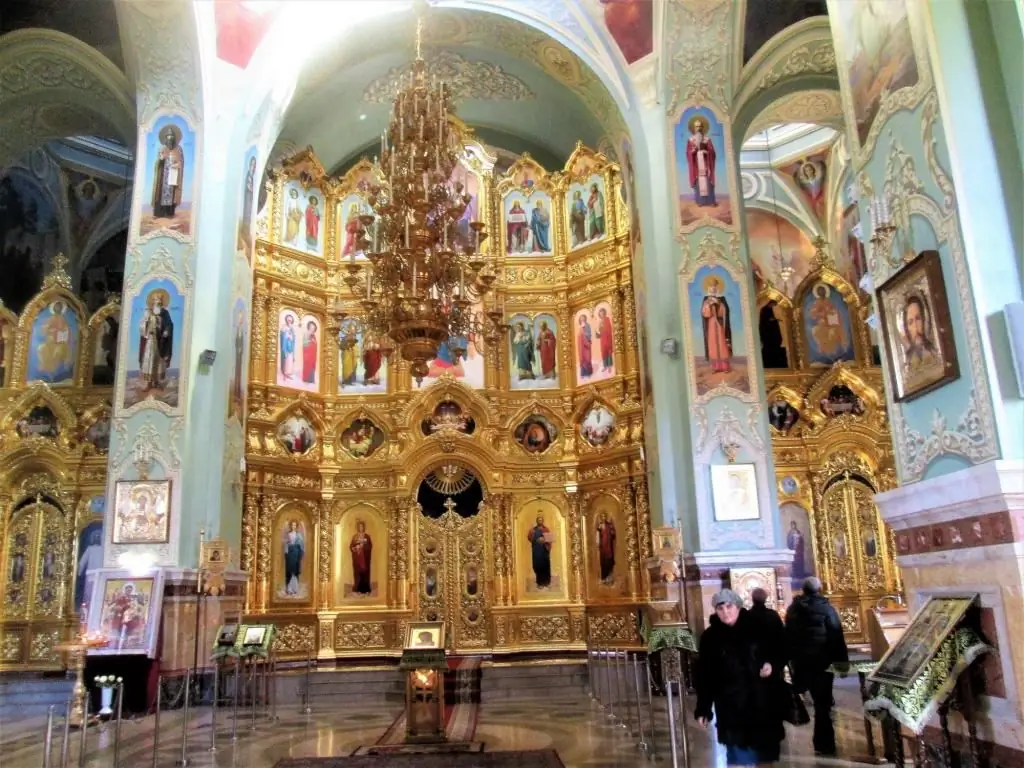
(425, 273)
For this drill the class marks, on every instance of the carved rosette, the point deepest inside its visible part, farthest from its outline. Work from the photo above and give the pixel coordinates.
(576, 552)
(612, 628)
(295, 638)
(544, 629)
(326, 537)
(629, 512)
(643, 513)
(250, 517)
(401, 509)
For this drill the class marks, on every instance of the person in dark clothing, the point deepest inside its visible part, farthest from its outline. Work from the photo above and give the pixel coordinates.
(815, 638)
(735, 676)
(770, 630)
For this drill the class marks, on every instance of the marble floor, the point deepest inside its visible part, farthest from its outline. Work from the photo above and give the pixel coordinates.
(577, 728)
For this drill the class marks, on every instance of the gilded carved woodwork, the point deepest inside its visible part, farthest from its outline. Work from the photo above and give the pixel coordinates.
(387, 476)
(831, 460)
(54, 441)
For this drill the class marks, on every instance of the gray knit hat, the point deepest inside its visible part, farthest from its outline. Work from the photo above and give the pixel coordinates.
(723, 596)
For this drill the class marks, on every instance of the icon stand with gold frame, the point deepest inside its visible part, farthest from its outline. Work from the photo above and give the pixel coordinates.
(425, 663)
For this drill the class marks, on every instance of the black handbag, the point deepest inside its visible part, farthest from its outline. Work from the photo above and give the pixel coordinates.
(793, 709)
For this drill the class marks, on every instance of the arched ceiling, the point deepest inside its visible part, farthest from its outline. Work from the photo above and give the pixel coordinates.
(53, 86)
(94, 22)
(766, 18)
(513, 82)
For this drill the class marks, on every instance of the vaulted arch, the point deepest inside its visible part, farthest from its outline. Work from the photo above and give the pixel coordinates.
(53, 85)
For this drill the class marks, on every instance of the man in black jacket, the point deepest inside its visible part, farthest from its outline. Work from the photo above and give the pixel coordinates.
(770, 631)
(816, 642)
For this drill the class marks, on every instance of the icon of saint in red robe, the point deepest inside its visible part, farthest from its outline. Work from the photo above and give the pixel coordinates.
(714, 312)
(310, 349)
(362, 550)
(606, 548)
(547, 347)
(313, 222)
(607, 337)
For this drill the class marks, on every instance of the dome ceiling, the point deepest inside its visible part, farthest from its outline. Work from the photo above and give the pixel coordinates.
(512, 81)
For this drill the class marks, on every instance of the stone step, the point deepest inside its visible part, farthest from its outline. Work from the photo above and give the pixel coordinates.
(525, 681)
(31, 697)
(356, 686)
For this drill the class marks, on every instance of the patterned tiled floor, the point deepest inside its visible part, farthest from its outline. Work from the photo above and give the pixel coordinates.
(577, 728)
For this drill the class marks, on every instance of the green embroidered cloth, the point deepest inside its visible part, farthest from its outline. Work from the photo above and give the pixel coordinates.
(224, 652)
(659, 638)
(424, 658)
(914, 706)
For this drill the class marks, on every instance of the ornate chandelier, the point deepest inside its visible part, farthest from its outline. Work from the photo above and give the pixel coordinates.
(425, 273)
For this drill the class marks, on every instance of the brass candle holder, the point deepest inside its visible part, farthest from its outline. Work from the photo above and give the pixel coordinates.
(78, 648)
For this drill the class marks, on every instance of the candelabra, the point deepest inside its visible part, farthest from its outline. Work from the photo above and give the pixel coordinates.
(78, 648)
(425, 271)
(882, 229)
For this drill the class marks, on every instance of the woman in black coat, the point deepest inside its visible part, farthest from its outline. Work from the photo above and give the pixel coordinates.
(738, 677)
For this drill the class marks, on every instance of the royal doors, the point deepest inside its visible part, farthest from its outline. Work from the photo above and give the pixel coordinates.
(451, 581)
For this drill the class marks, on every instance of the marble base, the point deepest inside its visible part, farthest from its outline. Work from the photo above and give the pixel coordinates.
(708, 572)
(176, 651)
(964, 533)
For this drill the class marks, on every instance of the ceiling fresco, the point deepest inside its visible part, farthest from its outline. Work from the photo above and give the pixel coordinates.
(513, 80)
(467, 80)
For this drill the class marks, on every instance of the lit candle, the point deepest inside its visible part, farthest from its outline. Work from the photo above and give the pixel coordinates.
(382, 145)
(406, 233)
(421, 127)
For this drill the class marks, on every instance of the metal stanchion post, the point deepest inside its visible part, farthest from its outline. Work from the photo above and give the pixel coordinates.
(308, 710)
(184, 722)
(620, 686)
(156, 718)
(595, 667)
(117, 724)
(650, 709)
(84, 742)
(674, 749)
(234, 718)
(48, 742)
(635, 666)
(65, 747)
(213, 706)
(684, 740)
(590, 676)
(273, 692)
(609, 682)
(254, 687)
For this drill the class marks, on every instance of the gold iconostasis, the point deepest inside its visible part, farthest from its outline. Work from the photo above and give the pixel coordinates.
(830, 437)
(505, 493)
(57, 366)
